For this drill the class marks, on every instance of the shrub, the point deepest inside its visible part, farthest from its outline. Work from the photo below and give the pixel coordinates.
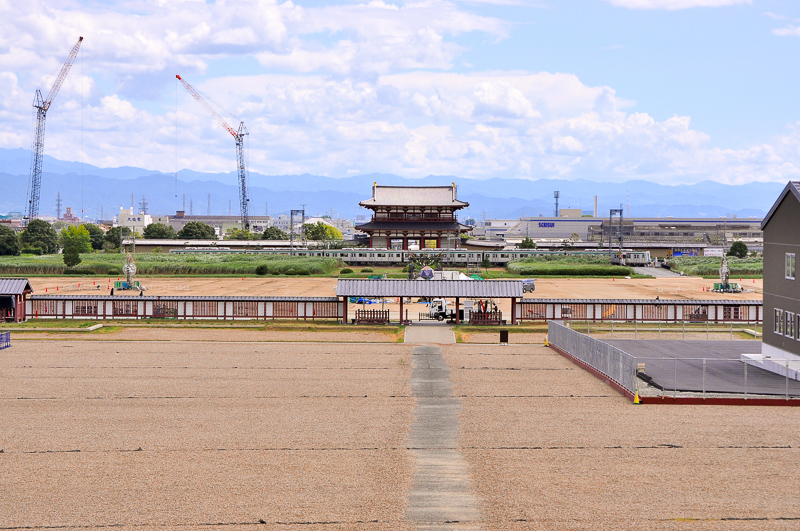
(345, 271)
(366, 270)
(262, 269)
(32, 250)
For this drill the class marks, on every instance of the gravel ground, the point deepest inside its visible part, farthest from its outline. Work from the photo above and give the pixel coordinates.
(209, 335)
(187, 434)
(552, 447)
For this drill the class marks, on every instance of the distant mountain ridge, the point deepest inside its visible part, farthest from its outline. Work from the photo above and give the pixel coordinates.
(495, 198)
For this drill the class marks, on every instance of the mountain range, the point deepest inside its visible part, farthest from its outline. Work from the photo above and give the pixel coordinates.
(102, 191)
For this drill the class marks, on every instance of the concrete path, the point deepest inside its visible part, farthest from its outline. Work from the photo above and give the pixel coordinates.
(427, 334)
(658, 272)
(441, 496)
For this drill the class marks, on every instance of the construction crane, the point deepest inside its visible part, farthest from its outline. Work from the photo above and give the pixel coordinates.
(238, 136)
(41, 105)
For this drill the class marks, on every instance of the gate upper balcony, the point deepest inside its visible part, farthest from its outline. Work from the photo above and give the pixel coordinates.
(414, 203)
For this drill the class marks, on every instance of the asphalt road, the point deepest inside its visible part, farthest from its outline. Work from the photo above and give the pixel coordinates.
(679, 365)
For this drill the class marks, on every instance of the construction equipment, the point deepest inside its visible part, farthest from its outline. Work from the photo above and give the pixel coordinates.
(42, 104)
(238, 136)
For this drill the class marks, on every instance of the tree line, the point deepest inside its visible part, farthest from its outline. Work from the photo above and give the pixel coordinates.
(40, 237)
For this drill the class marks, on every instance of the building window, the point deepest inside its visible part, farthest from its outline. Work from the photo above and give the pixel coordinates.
(790, 325)
(790, 266)
(778, 321)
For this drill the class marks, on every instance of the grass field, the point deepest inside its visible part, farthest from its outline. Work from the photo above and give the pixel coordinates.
(170, 264)
(573, 266)
(708, 266)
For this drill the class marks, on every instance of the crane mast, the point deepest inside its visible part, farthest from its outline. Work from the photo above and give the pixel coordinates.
(41, 105)
(238, 136)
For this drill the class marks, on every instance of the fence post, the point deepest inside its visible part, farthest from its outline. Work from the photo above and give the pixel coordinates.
(745, 381)
(675, 379)
(683, 327)
(706, 329)
(635, 328)
(731, 330)
(787, 378)
(659, 330)
(612, 329)
(704, 378)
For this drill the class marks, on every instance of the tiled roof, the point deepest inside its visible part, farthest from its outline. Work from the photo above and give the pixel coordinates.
(135, 296)
(413, 226)
(413, 196)
(429, 288)
(14, 286)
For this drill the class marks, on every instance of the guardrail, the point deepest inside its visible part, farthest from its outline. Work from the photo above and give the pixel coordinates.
(615, 365)
(5, 340)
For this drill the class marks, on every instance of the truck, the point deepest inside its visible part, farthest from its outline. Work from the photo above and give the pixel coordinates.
(440, 311)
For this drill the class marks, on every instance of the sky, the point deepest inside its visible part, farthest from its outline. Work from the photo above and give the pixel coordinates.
(670, 91)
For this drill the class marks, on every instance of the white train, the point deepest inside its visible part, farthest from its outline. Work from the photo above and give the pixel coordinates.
(460, 257)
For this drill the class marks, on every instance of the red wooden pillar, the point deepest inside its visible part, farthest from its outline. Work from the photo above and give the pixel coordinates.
(370, 241)
(344, 309)
(457, 319)
(513, 310)
(401, 309)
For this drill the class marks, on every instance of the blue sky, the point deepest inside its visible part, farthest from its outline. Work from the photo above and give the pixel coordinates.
(672, 91)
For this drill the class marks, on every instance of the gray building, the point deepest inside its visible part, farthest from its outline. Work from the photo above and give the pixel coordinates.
(781, 230)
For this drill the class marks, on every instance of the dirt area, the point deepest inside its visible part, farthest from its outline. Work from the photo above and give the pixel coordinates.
(210, 335)
(576, 288)
(207, 431)
(552, 447)
(196, 435)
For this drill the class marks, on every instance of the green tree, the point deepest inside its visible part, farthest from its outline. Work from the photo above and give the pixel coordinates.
(738, 249)
(274, 233)
(112, 236)
(96, 234)
(240, 234)
(321, 231)
(9, 242)
(159, 231)
(196, 230)
(39, 233)
(76, 237)
(71, 257)
(527, 243)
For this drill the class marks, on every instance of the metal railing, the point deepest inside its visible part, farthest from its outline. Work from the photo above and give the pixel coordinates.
(668, 330)
(5, 340)
(612, 362)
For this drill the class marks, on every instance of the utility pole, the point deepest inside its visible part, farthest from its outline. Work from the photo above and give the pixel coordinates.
(58, 205)
(229, 207)
(184, 204)
(208, 211)
(133, 204)
(190, 207)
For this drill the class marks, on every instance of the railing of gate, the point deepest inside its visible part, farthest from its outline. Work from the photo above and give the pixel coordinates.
(5, 340)
(612, 362)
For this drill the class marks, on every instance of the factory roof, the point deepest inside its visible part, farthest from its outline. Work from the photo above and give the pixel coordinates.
(413, 196)
(429, 288)
(14, 286)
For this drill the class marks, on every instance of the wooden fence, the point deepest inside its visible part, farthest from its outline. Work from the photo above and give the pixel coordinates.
(372, 316)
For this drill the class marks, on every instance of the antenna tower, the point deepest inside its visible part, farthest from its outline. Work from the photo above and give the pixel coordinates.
(555, 195)
(143, 205)
(58, 206)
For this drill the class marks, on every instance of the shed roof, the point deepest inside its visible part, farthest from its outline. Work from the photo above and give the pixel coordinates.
(792, 187)
(14, 286)
(429, 288)
(413, 196)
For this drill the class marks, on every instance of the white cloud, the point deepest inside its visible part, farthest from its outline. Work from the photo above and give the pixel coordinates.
(675, 4)
(789, 31)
